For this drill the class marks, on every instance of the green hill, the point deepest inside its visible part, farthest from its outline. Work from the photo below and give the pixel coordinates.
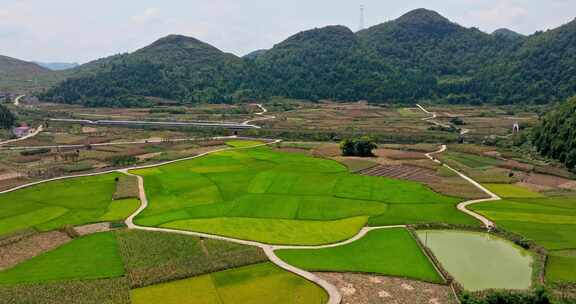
(22, 76)
(419, 56)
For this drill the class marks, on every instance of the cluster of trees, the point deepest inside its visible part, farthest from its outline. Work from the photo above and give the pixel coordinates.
(7, 118)
(361, 147)
(419, 56)
(555, 136)
(539, 296)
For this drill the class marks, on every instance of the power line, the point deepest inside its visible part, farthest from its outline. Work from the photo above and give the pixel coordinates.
(362, 9)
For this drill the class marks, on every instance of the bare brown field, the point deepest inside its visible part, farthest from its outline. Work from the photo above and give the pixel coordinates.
(372, 289)
(30, 246)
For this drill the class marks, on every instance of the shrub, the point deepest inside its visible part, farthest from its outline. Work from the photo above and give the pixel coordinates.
(35, 152)
(122, 160)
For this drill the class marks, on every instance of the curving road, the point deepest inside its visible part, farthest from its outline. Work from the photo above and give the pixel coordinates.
(463, 206)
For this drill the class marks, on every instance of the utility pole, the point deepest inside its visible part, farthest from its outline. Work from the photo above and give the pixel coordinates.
(362, 9)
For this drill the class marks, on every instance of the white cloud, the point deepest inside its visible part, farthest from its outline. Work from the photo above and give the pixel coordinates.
(150, 15)
(504, 14)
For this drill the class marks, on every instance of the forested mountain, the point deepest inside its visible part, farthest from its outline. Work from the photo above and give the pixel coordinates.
(542, 69)
(255, 54)
(174, 67)
(506, 33)
(16, 75)
(556, 136)
(419, 56)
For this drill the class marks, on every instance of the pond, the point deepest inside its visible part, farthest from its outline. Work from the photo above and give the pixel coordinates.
(479, 260)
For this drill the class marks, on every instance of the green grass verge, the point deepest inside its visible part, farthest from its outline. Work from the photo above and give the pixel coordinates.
(276, 231)
(512, 191)
(91, 257)
(155, 257)
(391, 252)
(261, 283)
(52, 205)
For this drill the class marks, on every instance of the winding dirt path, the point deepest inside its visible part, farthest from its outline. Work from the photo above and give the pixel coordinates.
(463, 206)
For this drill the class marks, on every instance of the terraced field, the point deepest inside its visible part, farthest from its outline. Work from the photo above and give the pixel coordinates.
(283, 198)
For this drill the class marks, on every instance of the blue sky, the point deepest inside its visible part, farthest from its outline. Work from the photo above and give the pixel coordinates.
(82, 30)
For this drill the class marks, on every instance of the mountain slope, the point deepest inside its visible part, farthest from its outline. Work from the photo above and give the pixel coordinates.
(541, 70)
(420, 55)
(506, 33)
(174, 67)
(18, 75)
(331, 63)
(423, 39)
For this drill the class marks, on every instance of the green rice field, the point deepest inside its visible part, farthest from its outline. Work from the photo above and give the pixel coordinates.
(391, 252)
(239, 193)
(260, 283)
(550, 222)
(512, 191)
(52, 205)
(91, 257)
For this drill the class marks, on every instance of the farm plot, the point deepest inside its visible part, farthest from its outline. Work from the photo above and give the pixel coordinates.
(52, 205)
(282, 198)
(155, 257)
(550, 222)
(391, 252)
(261, 283)
(91, 257)
(131, 258)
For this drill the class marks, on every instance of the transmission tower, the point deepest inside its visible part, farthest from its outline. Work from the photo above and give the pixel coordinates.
(362, 9)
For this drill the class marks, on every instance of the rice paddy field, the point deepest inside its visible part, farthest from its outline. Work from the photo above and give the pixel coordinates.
(52, 205)
(391, 252)
(284, 198)
(134, 259)
(260, 283)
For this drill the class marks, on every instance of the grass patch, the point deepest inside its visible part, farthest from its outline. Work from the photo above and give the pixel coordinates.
(276, 231)
(156, 257)
(52, 205)
(126, 187)
(70, 292)
(261, 283)
(391, 252)
(94, 256)
(512, 191)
